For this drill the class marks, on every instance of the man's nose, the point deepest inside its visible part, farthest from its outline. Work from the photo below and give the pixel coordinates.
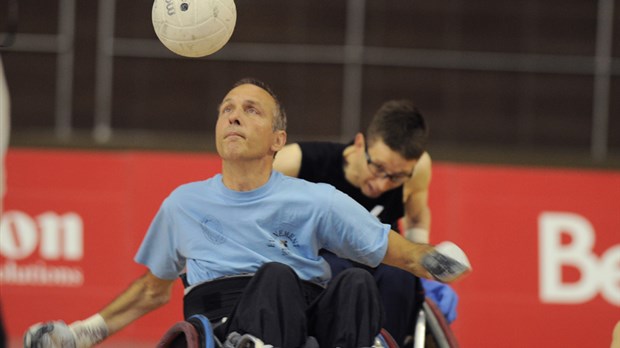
(383, 184)
(233, 117)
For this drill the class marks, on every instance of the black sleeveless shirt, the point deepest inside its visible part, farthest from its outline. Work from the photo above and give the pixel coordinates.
(323, 162)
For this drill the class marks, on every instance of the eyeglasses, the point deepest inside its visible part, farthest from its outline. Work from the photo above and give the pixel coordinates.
(378, 171)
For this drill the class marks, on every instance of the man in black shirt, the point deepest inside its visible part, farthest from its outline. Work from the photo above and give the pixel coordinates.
(388, 171)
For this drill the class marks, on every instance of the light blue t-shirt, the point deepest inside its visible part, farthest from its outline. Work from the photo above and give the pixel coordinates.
(216, 232)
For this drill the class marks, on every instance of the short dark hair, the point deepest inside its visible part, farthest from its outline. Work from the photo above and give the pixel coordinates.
(279, 119)
(401, 126)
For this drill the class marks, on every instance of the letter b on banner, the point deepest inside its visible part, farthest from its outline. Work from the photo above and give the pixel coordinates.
(594, 273)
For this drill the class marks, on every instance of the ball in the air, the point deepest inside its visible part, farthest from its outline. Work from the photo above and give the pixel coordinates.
(194, 28)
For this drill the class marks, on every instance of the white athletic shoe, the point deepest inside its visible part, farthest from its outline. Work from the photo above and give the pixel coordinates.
(235, 340)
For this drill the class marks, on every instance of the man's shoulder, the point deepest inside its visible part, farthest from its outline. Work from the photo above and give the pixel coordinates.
(189, 188)
(306, 184)
(422, 169)
(303, 189)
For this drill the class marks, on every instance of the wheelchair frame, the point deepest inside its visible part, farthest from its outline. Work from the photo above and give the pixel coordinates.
(431, 330)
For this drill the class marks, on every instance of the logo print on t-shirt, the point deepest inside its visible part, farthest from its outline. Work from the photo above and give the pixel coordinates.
(282, 240)
(212, 229)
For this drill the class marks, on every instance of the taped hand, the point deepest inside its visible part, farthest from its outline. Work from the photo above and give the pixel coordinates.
(52, 334)
(56, 334)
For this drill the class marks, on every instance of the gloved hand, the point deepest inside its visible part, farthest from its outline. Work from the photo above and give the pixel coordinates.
(443, 295)
(51, 334)
(57, 334)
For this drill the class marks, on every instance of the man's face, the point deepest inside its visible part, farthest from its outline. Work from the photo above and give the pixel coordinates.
(382, 169)
(244, 128)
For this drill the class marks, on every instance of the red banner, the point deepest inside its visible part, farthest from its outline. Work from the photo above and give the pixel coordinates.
(544, 243)
(72, 225)
(545, 249)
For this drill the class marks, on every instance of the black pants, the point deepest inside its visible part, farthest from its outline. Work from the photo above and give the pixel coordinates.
(401, 293)
(275, 307)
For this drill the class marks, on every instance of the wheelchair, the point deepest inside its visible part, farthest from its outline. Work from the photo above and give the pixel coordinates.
(205, 309)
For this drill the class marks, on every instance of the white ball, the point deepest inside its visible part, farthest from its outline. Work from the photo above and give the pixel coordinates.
(194, 28)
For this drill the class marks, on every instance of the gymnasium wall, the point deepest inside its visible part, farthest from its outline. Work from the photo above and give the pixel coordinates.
(517, 76)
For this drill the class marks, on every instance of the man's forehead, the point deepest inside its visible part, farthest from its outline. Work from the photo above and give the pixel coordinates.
(383, 154)
(379, 146)
(251, 93)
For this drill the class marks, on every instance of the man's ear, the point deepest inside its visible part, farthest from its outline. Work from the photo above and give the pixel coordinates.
(279, 141)
(359, 142)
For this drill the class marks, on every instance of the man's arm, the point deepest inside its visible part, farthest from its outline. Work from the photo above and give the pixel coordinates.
(143, 295)
(407, 255)
(288, 160)
(417, 219)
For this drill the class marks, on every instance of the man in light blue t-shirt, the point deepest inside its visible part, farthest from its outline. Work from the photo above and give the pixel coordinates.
(252, 220)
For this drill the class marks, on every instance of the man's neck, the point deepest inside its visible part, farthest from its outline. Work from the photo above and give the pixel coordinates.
(246, 175)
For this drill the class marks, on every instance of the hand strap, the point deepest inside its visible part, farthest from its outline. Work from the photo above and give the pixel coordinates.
(90, 331)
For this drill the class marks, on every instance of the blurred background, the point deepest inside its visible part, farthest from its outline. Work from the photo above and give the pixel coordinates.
(523, 82)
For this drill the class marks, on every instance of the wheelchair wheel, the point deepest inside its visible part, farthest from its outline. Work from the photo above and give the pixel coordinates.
(438, 331)
(385, 340)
